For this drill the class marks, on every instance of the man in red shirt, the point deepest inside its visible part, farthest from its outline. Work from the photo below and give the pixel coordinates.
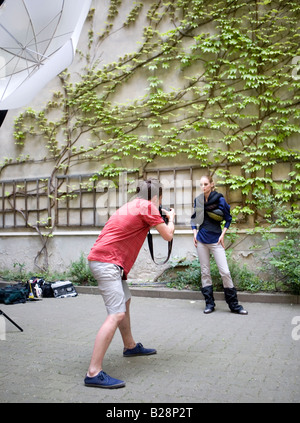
(110, 260)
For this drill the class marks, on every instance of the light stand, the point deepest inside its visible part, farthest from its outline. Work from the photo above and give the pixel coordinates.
(8, 318)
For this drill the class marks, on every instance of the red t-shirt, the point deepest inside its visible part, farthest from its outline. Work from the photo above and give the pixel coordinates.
(124, 234)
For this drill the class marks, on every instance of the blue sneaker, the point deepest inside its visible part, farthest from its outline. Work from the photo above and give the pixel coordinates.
(102, 380)
(138, 350)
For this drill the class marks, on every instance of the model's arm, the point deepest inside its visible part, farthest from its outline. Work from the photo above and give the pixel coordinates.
(195, 236)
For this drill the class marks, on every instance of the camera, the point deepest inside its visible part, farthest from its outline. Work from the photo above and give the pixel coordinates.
(166, 220)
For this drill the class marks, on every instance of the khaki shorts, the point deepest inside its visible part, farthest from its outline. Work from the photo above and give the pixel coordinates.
(114, 290)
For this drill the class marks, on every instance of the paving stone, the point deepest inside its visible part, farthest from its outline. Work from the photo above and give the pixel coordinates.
(221, 357)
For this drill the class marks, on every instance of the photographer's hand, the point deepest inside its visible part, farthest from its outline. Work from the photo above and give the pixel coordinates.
(167, 231)
(170, 214)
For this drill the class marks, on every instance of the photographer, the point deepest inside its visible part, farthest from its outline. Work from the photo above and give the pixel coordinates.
(110, 261)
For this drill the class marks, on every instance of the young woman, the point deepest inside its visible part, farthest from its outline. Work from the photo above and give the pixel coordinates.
(210, 209)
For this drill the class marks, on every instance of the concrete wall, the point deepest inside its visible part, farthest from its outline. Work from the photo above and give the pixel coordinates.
(21, 246)
(65, 247)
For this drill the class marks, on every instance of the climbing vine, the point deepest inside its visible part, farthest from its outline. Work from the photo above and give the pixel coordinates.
(221, 90)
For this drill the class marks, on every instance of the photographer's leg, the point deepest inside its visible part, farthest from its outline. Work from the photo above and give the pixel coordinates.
(102, 342)
(131, 348)
(125, 328)
(109, 280)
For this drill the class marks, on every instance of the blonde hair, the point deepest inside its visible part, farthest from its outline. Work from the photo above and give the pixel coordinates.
(211, 181)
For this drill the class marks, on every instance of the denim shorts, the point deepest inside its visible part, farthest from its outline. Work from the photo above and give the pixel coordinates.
(114, 290)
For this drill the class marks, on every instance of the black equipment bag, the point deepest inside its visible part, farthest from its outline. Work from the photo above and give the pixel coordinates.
(63, 289)
(13, 294)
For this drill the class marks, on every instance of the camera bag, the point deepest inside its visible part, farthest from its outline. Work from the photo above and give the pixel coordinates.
(63, 289)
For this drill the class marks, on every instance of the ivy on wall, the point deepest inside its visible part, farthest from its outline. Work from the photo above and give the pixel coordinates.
(222, 90)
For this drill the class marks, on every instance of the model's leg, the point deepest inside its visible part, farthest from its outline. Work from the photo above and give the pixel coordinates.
(221, 261)
(204, 259)
(229, 289)
(232, 301)
(206, 281)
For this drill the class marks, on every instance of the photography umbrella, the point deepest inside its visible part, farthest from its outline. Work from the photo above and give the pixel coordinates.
(38, 40)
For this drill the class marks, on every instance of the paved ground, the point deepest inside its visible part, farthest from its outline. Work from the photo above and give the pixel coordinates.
(221, 357)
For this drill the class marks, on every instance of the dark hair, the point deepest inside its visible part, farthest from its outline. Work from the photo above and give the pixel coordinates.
(148, 188)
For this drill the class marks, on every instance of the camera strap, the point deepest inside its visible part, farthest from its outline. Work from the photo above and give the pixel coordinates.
(150, 243)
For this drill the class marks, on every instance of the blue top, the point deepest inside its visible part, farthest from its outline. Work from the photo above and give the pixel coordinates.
(208, 236)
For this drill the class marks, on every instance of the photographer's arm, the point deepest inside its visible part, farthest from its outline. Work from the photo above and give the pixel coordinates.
(167, 231)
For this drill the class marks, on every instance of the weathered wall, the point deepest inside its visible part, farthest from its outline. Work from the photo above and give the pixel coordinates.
(21, 245)
(18, 249)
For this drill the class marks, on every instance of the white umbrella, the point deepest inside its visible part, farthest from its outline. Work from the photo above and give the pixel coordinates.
(38, 39)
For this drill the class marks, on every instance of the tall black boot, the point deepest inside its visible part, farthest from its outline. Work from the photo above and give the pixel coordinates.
(232, 301)
(207, 292)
